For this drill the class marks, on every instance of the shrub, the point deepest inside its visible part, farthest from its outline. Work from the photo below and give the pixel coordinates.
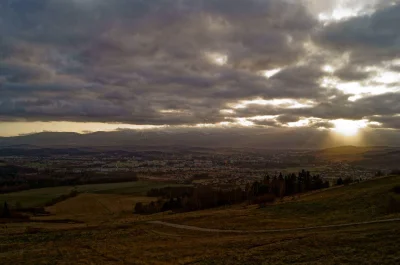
(347, 181)
(63, 197)
(264, 199)
(139, 208)
(396, 189)
(5, 211)
(339, 181)
(151, 208)
(395, 172)
(393, 205)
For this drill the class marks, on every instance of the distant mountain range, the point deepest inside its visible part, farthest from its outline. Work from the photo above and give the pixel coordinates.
(158, 138)
(182, 139)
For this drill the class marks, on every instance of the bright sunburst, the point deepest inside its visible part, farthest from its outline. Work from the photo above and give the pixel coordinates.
(349, 127)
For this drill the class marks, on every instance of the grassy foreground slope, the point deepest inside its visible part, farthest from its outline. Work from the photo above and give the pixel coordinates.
(365, 201)
(127, 241)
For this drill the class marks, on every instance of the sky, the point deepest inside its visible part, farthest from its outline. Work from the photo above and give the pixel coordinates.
(100, 65)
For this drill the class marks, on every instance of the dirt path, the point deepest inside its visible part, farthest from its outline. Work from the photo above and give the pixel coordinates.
(194, 228)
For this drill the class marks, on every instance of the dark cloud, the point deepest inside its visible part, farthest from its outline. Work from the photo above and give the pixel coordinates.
(351, 73)
(370, 38)
(126, 61)
(392, 122)
(268, 123)
(182, 62)
(324, 125)
(386, 104)
(287, 118)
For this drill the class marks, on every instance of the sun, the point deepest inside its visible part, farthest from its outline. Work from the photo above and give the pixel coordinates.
(347, 131)
(348, 127)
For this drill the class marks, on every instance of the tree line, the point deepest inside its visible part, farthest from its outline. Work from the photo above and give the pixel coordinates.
(181, 199)
(13, 178)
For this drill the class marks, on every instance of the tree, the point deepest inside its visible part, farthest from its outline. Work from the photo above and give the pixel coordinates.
(6, 211)
(264, 199)
(139, 208)
(263, 189)
(267, 178)
(326, 184)
(300, 181)
(347, 181)
(339, 181)
(255, 189)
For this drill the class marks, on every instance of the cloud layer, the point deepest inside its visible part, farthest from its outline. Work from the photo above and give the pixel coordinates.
(188, 62)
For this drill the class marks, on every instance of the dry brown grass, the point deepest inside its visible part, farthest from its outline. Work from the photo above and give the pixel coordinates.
(344, 153)
(94, 208)
(123, 238)
(95, 204)
(146, 244)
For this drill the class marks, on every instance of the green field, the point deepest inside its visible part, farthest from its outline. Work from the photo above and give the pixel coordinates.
(38, 197)
(36, 165)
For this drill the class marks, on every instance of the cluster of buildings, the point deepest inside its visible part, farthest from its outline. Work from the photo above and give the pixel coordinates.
(221, 169)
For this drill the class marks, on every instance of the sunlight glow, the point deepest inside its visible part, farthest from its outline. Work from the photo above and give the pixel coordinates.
(338, 14)
(204, 125)
(387, 77)
(217, 58)
(171, 111)
(381, 83)
(270, 73)
(285, 103)
(300, 123)
(395, 62)
(328, 69)
(22, 128)
(346, 9)
(227, 111)
(349, 127)
(244, 122)
(264, 118)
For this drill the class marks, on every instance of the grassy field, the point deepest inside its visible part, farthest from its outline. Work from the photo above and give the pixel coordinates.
(348, 153)
(145, 244)
(129, 239)
(38, 197)
(96, 208)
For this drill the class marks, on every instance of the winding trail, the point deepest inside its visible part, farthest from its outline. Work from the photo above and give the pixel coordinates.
(195, 228)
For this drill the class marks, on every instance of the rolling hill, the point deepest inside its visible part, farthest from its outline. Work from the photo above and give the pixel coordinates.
(126, 239)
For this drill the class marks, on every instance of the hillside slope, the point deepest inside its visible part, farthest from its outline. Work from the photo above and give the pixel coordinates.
(366, 201)
(130, 241)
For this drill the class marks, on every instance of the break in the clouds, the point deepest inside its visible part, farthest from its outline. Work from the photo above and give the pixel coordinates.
(271, 63)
